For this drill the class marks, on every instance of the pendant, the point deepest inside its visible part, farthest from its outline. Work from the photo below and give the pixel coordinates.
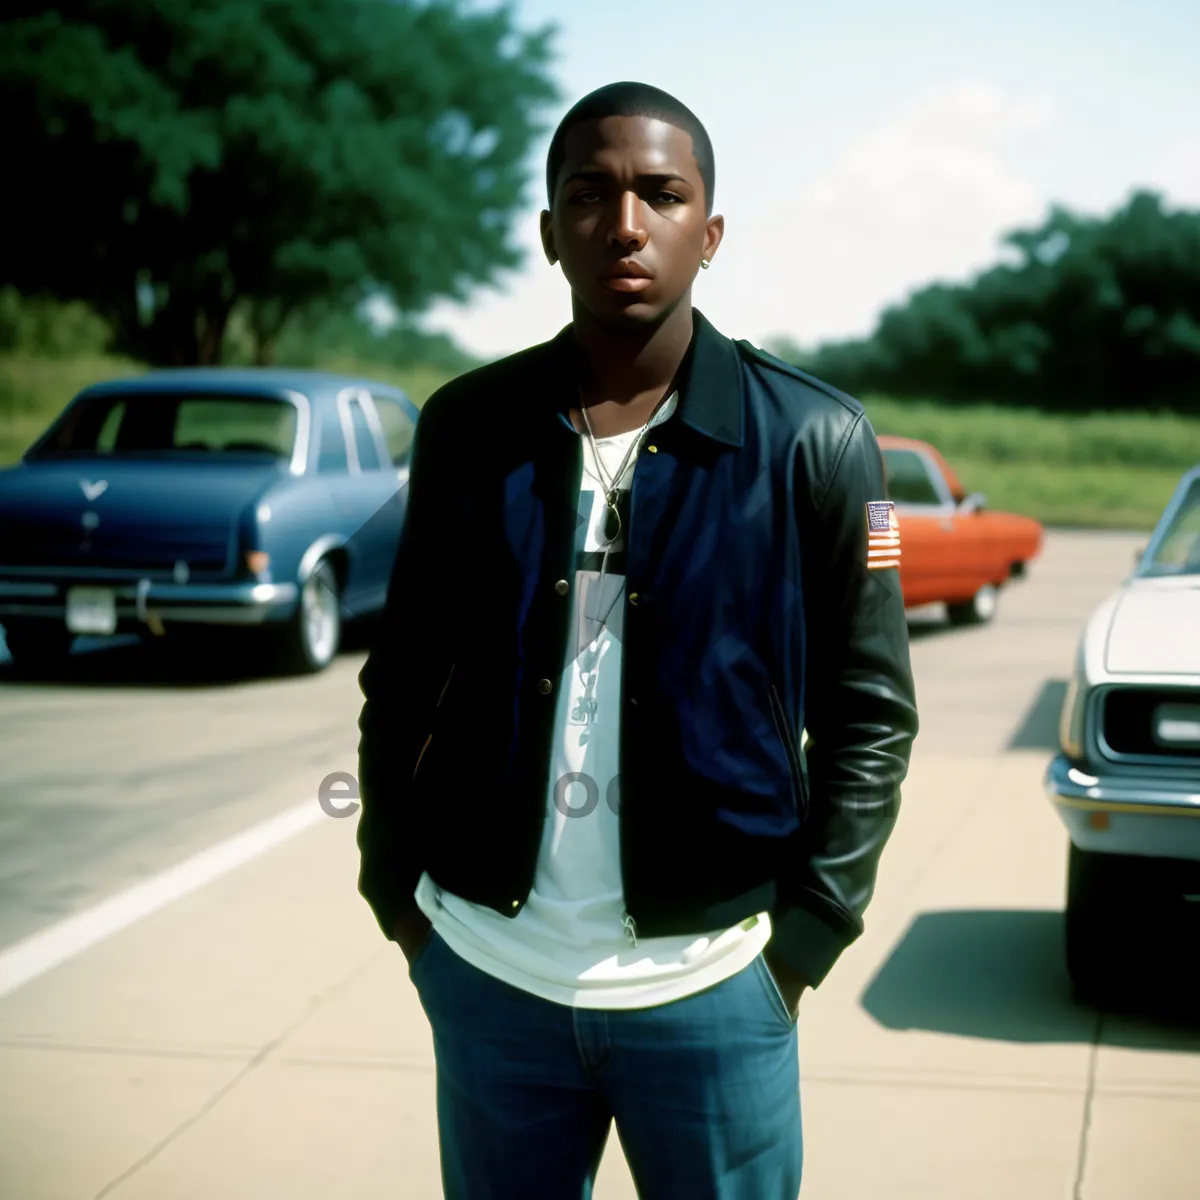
(612, 520)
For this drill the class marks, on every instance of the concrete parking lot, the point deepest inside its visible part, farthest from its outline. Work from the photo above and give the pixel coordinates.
(195, 1002)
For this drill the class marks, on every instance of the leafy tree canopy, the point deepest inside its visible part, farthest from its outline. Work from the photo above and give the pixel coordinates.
(178, 158)
(1092, 313)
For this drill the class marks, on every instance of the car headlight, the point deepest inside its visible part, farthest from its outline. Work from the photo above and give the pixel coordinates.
(1070, 721)
(1177, 726)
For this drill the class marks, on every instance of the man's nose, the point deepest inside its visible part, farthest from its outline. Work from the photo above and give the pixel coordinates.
(629, 226)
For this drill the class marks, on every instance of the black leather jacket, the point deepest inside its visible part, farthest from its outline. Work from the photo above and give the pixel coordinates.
(750, 617)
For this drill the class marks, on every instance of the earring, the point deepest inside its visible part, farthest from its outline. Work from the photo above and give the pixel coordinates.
(704, 262)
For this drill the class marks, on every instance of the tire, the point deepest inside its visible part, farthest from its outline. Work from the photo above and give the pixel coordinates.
(979, 610)
(38, 644)
(310, 640)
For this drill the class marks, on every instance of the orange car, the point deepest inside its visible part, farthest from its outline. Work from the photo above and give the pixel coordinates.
(953, 550)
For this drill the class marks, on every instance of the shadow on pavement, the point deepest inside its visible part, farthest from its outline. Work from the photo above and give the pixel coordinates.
(222, 661)
(1000, 975)
(1038, 729)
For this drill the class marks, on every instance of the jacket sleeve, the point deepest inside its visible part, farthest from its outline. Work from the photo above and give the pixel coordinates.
(860, 714)
(402, 678)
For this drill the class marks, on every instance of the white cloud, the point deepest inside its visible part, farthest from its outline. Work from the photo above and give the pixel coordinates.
(925, 195)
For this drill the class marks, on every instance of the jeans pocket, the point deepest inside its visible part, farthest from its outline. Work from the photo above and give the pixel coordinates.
(774, 995)
(422, 954)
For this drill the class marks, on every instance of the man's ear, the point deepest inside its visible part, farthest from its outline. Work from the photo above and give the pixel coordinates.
(548, 238)
(713, 233)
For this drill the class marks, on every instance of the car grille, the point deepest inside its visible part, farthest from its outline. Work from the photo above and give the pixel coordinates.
(1131, 722)
(205, 549)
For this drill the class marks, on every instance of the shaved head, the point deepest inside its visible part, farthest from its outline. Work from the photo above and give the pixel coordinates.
(630, 99)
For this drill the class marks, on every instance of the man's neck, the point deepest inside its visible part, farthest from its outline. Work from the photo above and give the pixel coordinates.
(624, 377)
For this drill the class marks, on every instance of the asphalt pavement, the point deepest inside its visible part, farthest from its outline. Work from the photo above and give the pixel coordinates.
(194, 1001)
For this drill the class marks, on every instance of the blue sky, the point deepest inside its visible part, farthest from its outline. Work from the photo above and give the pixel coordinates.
(866, 148)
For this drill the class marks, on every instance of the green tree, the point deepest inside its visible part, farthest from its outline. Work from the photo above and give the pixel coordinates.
(178, 159)
(1093, 313)
(322, 333)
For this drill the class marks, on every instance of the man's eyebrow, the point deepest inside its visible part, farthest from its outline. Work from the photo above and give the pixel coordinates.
(595, 175)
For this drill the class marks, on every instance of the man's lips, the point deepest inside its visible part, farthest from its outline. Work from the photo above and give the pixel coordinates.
(628, 277)
(627, 283)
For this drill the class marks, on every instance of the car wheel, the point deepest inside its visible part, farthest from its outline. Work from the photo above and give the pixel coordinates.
(980, 609)
(309, 641)
(34, 645)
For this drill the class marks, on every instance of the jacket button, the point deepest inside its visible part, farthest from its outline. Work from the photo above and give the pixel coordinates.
(652, 449)
(516, 904)
(545, 686)
(633, 599)
(562, 587)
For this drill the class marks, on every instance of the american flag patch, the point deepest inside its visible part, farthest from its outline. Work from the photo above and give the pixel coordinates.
(883, 535)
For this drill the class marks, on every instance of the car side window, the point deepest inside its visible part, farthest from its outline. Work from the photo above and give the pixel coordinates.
(332, 459)
(106, 439)
(364, 439)
(1180, 547)
(908, 478)
(398, 428)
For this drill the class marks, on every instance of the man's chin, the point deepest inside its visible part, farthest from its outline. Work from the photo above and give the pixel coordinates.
(623, 314)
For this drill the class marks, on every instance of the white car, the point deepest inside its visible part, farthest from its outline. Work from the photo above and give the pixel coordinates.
(1127, 780)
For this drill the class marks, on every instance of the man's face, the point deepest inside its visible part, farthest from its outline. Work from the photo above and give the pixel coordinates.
(628, 220)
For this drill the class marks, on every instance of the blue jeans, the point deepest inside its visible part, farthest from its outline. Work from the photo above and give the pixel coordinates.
(705, 1091)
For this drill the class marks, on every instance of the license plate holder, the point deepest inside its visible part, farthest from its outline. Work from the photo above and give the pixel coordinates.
(91, 611)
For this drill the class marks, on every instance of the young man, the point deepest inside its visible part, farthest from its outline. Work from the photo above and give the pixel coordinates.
(638, 561)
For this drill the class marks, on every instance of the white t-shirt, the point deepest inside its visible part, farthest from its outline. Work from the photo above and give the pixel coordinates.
(569, 943)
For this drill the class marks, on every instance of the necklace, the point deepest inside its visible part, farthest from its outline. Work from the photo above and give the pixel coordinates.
(613, 525)
(612, 485)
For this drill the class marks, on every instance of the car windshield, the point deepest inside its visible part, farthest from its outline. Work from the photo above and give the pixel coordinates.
(1177, 548)
(908, 478)
(147, 423)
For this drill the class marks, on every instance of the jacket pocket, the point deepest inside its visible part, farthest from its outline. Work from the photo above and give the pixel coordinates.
(799, 791)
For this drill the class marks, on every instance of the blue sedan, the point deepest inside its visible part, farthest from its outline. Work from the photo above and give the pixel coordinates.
(204, 499)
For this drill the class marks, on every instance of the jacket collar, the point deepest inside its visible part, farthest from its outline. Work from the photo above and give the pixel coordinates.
(710, 387)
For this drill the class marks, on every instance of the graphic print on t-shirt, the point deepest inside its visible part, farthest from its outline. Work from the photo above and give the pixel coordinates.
(598, 617)
(599, 584)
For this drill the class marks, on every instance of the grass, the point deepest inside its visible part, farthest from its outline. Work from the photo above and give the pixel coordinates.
(1100, 470)
(1083, 495)
(35, 390)
(1010, 436)
(1113, 471)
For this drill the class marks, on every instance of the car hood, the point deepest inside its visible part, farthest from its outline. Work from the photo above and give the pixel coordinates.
(135, 491)
(1155, 628)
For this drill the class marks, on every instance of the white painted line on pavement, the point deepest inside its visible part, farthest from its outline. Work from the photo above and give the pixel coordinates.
(42, 952)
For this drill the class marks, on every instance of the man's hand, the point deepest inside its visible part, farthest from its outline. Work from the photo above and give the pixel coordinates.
(411, 932)
(791, 984)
